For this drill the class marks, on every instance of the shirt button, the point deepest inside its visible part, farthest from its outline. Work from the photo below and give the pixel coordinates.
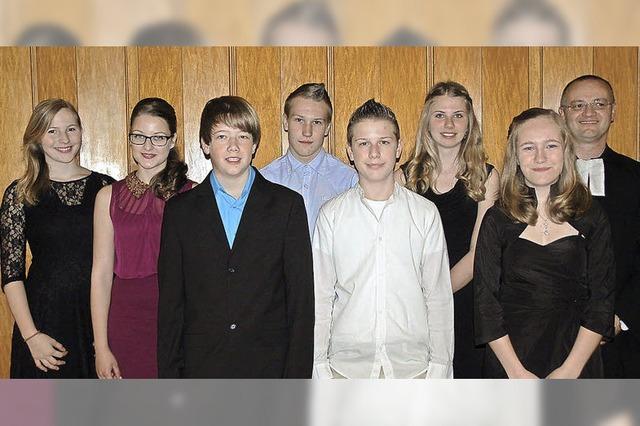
(233, 327)
(231, 270)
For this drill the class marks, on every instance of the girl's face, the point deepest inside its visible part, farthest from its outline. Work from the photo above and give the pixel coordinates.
(151, 140)
(540, 151)
(62, 140)
(448, 121)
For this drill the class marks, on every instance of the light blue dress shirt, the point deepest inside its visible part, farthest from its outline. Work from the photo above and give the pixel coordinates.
(320, 180)
(230, 208)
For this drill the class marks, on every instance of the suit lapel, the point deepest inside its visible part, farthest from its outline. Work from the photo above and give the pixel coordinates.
(207, 210)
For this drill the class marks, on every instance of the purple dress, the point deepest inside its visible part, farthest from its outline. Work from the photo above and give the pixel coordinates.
(136, 214)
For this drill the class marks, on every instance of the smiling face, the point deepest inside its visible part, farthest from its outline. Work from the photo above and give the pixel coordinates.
(231, 151)
(374, 150)
(149, 156)
(448, 121)
(62, 140)
(588, 125)
(307, 125)
(540, 151)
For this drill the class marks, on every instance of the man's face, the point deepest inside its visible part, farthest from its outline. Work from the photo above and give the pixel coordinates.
(307, 125)
(374, 150)
(588, 111)
(231, 150)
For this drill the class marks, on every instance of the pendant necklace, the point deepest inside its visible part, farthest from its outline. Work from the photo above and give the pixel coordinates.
(545, 227)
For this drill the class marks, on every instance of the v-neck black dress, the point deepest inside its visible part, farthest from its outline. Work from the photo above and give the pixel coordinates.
(541, 295)
(458, 212)
(59, 230)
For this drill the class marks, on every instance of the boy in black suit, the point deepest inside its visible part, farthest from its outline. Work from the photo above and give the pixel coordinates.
(235, 268)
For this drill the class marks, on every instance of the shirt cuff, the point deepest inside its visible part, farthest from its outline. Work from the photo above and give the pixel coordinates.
(623, 326)
(322, 371)
(439, 371)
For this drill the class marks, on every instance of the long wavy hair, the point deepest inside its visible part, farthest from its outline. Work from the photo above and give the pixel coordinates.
(568, 198)
(424, 166)
(173, 177)
(35, 180)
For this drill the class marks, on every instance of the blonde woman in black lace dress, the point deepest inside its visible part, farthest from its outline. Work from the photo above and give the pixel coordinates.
(50, 208)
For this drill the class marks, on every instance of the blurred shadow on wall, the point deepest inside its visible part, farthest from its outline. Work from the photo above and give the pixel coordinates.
(302, 23)
(167, 33)
(404, 36)
(46, 34)
(530, 22)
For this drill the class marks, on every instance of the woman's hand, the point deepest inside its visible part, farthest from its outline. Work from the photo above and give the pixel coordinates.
(106, 365)
(46, 352)
(562, 372)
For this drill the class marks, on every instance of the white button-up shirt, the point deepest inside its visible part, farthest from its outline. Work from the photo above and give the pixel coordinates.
(382, 289)
(320, 180)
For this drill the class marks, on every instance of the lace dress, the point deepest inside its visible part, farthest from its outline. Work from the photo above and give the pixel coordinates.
(59, 230)
(136, 213)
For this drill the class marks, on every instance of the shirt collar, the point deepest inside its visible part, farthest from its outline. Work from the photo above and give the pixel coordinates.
(317, 164)
(394, 195)
(217, 187)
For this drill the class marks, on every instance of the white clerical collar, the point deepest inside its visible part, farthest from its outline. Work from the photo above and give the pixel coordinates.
(592, 174)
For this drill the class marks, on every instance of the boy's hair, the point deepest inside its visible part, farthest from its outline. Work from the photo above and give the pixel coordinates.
(233, 111)
(372, 110)
(314, 91)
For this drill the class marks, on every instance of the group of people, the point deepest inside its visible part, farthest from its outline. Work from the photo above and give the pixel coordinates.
(439, 268)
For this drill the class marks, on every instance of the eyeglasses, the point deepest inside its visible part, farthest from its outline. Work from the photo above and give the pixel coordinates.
(156, 140)
(596, 105)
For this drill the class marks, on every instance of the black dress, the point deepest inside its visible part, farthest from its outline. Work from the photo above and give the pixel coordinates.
(59, 230)
(458, 212)
(541, 295)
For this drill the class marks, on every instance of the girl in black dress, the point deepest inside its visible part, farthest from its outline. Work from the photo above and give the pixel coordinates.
(51, 208)
(448, 167)
(544, 269)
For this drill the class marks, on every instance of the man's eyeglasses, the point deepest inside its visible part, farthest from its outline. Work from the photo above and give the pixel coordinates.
(597, 105)
(156, 140)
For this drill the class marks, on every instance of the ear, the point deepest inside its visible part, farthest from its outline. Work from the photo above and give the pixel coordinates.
(327, 130)
(399, 149)
(172, 141)
(613, 113)
(253, 148)
(285, 123)
(205, 147)
(349, 152)
(561, 112)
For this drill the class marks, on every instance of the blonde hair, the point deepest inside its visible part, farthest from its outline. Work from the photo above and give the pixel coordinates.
(569, 197)
(423, 167)
(35, 180)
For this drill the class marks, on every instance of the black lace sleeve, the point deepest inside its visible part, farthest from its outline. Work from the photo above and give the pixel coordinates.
(12, 237)
(104, 179)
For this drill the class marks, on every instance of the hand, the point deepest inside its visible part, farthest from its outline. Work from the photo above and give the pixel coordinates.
(523, 374)
(616, 324)
(562, 373)
(46, 352)
(106, 365)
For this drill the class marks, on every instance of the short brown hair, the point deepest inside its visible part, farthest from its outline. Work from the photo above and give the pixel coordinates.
(233, 111)
(314, 91)
(372, 110)
(586, 77)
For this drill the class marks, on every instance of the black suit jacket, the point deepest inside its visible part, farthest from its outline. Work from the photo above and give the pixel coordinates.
(244, 312)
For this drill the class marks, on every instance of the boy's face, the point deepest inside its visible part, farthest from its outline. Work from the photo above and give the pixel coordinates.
(231, 150)
(374, 150)
(307, 125)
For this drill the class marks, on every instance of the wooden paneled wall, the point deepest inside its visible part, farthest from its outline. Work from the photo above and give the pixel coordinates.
(106, 82)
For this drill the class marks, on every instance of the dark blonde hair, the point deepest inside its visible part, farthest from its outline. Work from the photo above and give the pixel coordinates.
(569, 199)
(233, 111)
(372, 110)
(35, 180)
(173, 177)
(423, 167)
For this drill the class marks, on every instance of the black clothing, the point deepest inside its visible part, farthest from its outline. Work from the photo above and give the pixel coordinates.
(622, 205)
(458, 212)
(244, 312)
(59, 230)
(541, 295)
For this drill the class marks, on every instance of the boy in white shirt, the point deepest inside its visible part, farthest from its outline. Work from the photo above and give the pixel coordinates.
(384, 306)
